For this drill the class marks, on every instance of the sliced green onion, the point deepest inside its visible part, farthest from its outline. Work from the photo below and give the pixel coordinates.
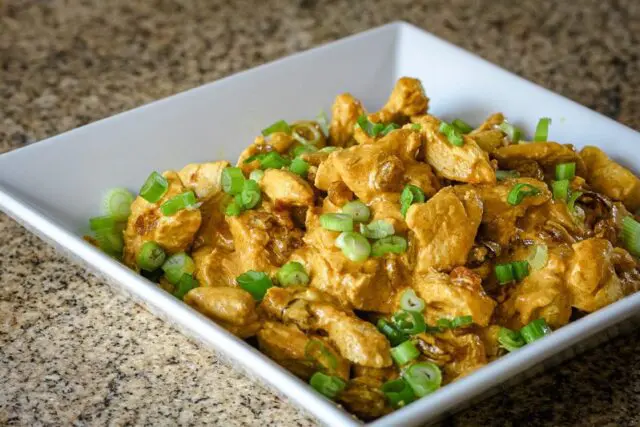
(571, 203)
(358, 210)
(460, 321)
(409, 322)
(410, 195)
(462, 126)
(273, 160)
(510, 340)
(186, 200)
(504, 273)
(250, 195)
(560, 190)
(117, 203)
(328, 149)
(315, 350)
(631, 235)
(234, 208)
(306, 132)
(404, 353)
(150, 256)
(416, 126)
(377, 229)
(336, 221)
(323, 121)
(443, 324)
(256, 175)
(538, 256)
(354, 246)
(389, 245)
(255, 282)
(232, 180)
(424, 378)
(154, 187)
(452, 133)
(110, 240)
(328, 386)
(186, 283)
(542, 129)
(103, 223)
(392, 333)
(535, 330)
(372, 129)
(390, 127)
(411, 302)
(520, 269)
(300, 167)
(255, 157)
(513, 133)
(303, 148)
(519, 192)
(279, 126)
(504, 175)
(177, 265)
(292, 274)
(398, 393)
(565, 171)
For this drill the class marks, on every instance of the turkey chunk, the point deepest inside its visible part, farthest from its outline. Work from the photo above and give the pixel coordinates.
(344, 116)
(444, 228)
(286, 188)
(611, 179)
(232, 308)
(173, 233)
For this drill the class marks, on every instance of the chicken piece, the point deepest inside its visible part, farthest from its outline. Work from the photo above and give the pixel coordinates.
(547, 154)
(371, 169)
(456, 353)
(289, 347)
(489, 337)
(541, 294)
(457, 294)
(444, 228)
(363, 398)
(468, 163)
(487, 136)
(339, 194)
(407, 99)
(264, 240)
(382, 374)
(490, 123)
(214, 230)
(610, 178)
(286, 188)
(205, 179)
(386, 207)
(279, 142)
(216, 266)
(232, 308)
(591, 276)
(499, 217)
(344, 116)
(357, 340)
(551, 222)
(173, 233)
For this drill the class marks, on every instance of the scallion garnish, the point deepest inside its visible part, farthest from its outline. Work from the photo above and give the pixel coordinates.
(185, 284)
(409, 322)
(535, 330)
(150, 256)
(316, 351)
(279, 126)
(452, 133)
(571, 203)
(520, 269)
(273, 160)
(336, 221)
(186, 200)
(154, 187)
(538, 256)
(328, 386)
(292, 274)
(358, 210)
(411, 302)
(392, 333)
(504, 273)
(519, 192)
(389, 245)
(256, 175)
(328, 149)
(462, 126)
(416, 126)
(565, 171)
(404, 353)
(424, 378)
(560, 190)
(513, 133)
(371, 129)
(299, 167)
(177, 265)
(542, 129)
(105, 222)
(398, 393)
(301, 149)
(250, 195)
(256, 283)
(232, 180)
(510, 340)
(323, 121)
(504, 175)
(117, 203)
(354, 246)
(306, 132)
(377, 229)
(388, 128)
(631, 235)
(234, 208)
(410, 195)
(110, 240)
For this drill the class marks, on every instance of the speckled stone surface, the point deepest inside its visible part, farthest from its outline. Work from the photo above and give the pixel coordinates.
(74, 353)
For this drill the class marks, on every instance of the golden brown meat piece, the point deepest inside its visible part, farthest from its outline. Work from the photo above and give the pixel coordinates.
(407, 99)
(205, 179)
(541, 294)
(591, 276)
(468, 163)
(458, 294)
(312, 311)
(489, 337)
(344, 116)
(291, 348)
(551, 222)
(444, 228)
(232, 308)
(285, 188)
(363, 398)
(279, 142)
(173, 233)
(547, 154)
(216, 266)
(610, 178)
(487, 136)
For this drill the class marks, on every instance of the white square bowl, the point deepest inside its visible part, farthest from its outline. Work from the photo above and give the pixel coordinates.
(54, 186)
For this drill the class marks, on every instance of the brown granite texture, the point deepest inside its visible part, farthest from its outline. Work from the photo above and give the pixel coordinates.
(74, 353)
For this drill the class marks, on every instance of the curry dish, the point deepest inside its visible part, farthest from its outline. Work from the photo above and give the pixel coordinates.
(382, 255)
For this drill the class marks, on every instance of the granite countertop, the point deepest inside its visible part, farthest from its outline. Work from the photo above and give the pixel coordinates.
(74, 352)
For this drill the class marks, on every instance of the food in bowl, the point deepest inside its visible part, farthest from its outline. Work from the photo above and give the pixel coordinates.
(380, 256)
